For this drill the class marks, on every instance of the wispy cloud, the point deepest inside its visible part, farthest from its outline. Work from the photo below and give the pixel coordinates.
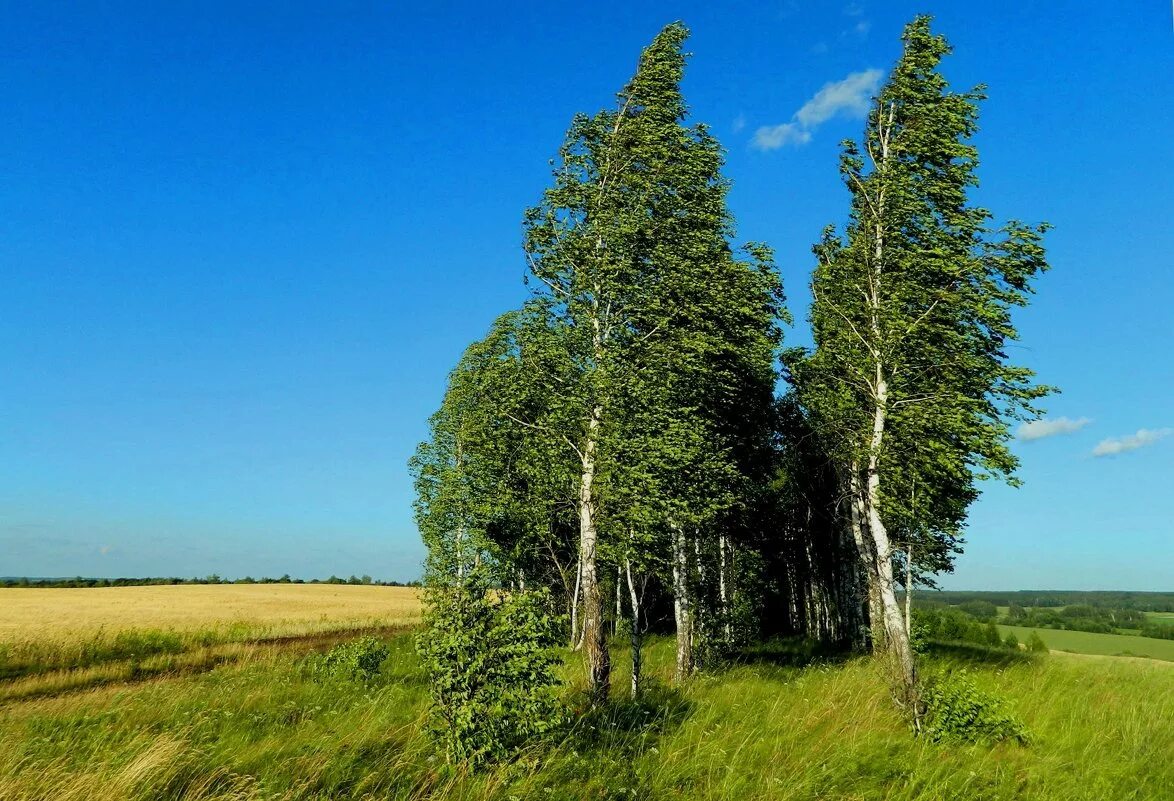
(739, 123)
(1038, 429)
(861, 27)
(1130, 442)
(849, 97)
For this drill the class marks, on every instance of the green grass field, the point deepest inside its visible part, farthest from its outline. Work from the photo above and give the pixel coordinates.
(261, 728)
(1084, 642)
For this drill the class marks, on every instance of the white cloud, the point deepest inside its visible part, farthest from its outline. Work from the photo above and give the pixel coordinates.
(1038, 429)
(772, 137)
(849, 97)
(739, 123)
(1130, 442)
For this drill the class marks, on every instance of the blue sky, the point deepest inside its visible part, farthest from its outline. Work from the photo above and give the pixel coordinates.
(241, 245)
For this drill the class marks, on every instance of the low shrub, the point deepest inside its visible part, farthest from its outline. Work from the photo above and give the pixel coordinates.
(491, 659)
(957, 710)
(359, 659)
(1036, 644)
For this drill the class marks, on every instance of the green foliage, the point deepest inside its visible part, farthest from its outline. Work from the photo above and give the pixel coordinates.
(1012, 641)
(359, 659)
(1099, 619)
(919, 635)
(492, 671)
(1035, 643)
(948, 624)
(957, 710)
(1113, 599)
(980, 610)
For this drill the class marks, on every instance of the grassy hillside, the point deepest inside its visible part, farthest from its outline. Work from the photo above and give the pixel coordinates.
(262, 728)
(1084, 642)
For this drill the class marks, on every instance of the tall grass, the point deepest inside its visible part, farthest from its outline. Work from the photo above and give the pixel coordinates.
(778, 726)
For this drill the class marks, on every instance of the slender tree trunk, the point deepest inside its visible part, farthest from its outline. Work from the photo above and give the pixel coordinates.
(619, 597)
(873, 634)
(909, 589)
(723, 585)
(896, 637)
(596, 657)
(637, 634)
(700, 599)
(576, 638)
(682, 609)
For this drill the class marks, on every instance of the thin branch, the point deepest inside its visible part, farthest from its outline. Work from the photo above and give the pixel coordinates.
(547, 430)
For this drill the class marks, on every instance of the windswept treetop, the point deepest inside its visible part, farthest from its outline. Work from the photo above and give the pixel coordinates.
(910, 386)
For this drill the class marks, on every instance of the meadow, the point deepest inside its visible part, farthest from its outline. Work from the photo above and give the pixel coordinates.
(1085, 642)
(783, 723)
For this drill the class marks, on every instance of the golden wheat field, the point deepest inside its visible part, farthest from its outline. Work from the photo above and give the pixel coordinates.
(27, 614)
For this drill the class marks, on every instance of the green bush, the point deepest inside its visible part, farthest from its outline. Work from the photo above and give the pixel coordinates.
(358, 659)
(919, 636)
(957, 710)
(1036, 644)
(979, 610)
(491, 659)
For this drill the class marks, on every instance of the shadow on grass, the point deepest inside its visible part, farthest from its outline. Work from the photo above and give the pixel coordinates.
(660, 708)
(971, 654)
(602, 749)
(795, 652)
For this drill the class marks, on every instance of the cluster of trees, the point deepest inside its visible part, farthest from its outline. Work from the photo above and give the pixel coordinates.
(1115, 599)
(949, 624)
(635, 441)
(1086, 617)
(79, 581)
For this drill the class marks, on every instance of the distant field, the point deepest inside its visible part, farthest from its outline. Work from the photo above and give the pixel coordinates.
(1084, 642)
(27, 614)
(1161, 617)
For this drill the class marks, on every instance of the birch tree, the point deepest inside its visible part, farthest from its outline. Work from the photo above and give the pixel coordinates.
(909, 379)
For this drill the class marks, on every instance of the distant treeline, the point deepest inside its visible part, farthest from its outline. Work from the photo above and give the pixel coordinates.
(1095, 614)
(79, 581)
(1115, 599)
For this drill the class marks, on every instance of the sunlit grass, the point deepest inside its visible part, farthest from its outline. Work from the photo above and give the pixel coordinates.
(260, 727)
(1087, 642)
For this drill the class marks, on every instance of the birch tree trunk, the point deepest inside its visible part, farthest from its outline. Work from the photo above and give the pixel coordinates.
(637, 634)
(866, 548)
(896, 637)
(576, 638)
(619, 597)
(909, 590)
(596, 657)
(723, 586)
(682, 609)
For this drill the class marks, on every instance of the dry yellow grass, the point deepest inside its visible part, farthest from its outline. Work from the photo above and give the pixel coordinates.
(33, 614)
